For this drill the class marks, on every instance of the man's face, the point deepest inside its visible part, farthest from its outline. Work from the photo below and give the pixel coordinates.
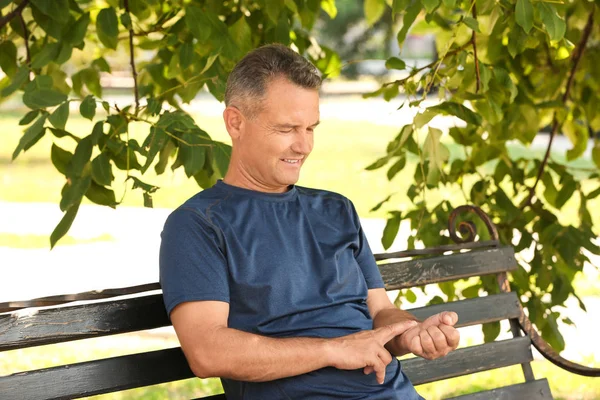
(277, 141)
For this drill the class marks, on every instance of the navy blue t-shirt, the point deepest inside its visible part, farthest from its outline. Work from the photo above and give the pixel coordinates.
(293, 264)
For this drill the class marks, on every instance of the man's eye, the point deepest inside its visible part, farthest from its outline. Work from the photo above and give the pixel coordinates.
(285, 130)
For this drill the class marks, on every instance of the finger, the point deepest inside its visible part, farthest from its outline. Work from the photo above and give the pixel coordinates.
(388, 332)
(379, 367)
(427, 343)
(445, 317)
(385, 356)
(449, 317)
(452, 335)
(439, 340)
(415, 346)
(368, 370)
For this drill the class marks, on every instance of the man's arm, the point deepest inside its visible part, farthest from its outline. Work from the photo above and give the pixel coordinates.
(433, 338)
(213, 349)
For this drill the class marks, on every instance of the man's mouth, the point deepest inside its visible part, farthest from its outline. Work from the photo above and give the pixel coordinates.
(291, 160)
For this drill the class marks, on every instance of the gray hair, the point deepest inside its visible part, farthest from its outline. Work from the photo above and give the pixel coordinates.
(247, 82)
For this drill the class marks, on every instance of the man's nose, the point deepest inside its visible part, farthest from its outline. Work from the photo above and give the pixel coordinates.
(303, 143)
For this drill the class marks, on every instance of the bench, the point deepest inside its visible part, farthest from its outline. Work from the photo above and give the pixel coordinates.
(48, 320)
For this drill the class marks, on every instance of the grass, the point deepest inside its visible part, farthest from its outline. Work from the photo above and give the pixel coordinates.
(564, 385)
(30, 241)
(342, 151)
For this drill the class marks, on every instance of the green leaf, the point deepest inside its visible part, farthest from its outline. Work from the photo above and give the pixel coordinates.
(102, 170)
(83, 153)
(430, 5)
(87, 108)
(395, 63)
(55, 9)
(378, 164)
(596, 154)
(423, 118)
(555, 26)
(565, 193)
(39, 93)
(330, 65)
(186, 55)
(391, 229)
(126, 20)
(397, 167)
(472, 23)
(74, 192)
(59, 117)
(47, 54)
(222, 155)
(409, 18)
(8, 57)
(101, 64)
(193, 16)
(327, 5)
(30, 116)
(490, 331)
(147, 200)
(76, 32)
(31, 136)
(458, 110)
(436, 152)
(60, 158)
(146, 187)
(524, 14)
(399, 6)
(156, 140)
(107, 26)
(381, 203)
(17, 81)
(578, 134)
(374, 10)
(241, 34)
(101, 195)
(411, 297)
(64, 225)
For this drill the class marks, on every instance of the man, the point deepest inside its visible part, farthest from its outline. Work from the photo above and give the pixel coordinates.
(272, 286)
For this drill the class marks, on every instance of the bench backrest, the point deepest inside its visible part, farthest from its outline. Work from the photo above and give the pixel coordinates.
(39, 326)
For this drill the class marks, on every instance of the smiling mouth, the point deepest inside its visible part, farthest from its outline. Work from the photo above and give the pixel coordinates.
(291, 161)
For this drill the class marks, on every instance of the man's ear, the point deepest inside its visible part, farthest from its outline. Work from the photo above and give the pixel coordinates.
(234, 121)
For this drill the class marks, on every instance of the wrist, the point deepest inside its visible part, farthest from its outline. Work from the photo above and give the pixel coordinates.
(330, 349)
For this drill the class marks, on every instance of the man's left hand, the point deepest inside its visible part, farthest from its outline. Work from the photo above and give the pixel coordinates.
(433, 338)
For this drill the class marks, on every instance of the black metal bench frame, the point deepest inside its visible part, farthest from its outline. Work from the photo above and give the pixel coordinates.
(46, 321)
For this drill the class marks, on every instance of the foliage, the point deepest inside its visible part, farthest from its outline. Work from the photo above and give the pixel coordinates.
(507, 69)
(175, 49)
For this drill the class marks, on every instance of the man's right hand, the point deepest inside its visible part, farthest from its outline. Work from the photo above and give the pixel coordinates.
(367, 348)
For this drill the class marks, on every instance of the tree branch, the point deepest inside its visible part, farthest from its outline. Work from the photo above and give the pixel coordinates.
(132, 62)
(430, 65)
(577, 53)
(26, 38)
(17, 11)
(474, 44)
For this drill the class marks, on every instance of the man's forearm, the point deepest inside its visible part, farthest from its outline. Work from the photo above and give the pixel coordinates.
(389, 316)
(239, 355)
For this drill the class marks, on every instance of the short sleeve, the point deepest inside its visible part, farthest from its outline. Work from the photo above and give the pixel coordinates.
(192, 261)
(364, 256)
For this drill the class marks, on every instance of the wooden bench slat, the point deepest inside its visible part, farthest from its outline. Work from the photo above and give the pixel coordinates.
(534, 390)
(136, 370)
(97, 377)
(469, 360)
(449, 267)
(475, 311)
(23, 329)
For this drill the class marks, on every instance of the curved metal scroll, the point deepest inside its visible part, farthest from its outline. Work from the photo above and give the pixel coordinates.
(468, 229)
